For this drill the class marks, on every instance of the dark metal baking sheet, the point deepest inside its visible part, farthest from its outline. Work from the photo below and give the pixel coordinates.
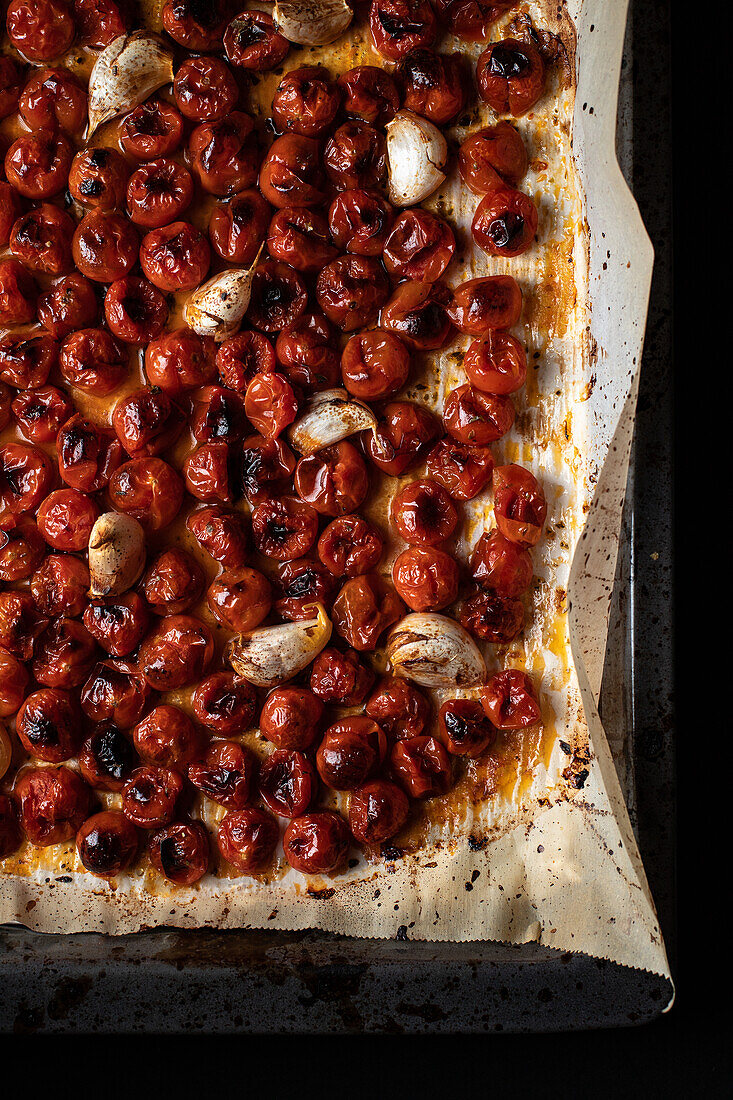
(173, 981)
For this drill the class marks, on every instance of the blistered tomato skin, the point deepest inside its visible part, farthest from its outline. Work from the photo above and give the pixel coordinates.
(520, 507)
(241, 600)
(278, 296)
(418, 312)
(426, 578)
(180, 361)
(60, 586)
(306, 353)
(284, 529)
(463, 470)
(351, 290)
(177, 653)
(291, 173)
(18, 294)
(266, 467)
(377, 810)
(422, 767)
(27, 363)
(510, 700)
(247, 839)
(252, 42)
(399, 708)
(115, 692)
(364, 608)
(196, 26)
(375, 364)
(419, 247)
(356, 156)
(26, 477)
(98, 22)
(434, 85)
(11, 207)
(464, 727)
(218, 413)
(150, 796)
(105, 246)
(471, 19)
(225, 704)
(10, 836)
(350, 546)
(181, 852)
(172, 582)
(484, 305)
(205, 89)
(291, 718)
(48, 725)
(402, 437)
(302, 584)
(20, 624)
(476, 418)
(241, 357)
(207, 472)
(511, 76)
(491, 158)
(225, 156)
(298, 236)
(224, 774)
(497, 363)
(118, 623)
(288, 783)
(505, 222)
(423, 514)
(69, 304)
(175, 257)
(14, 680)
(340, 678)
(41, 30)
(270, 404)
(22, 548)
(359, 221)
(147, 422)
(107, 843)
(238, 227)
(167, 738)
(222, 534)
(149, 489)
(398, 26)
(41, 413)
(334, 480)
(54, 802)
(351, 751)
(42, 238)
(98, 179)
(152, 130)
(501, 565)
(94, 361)
(135, 310)
(305, 102)
(107, 759)
(66, 518)
(492, 617)
(316, 843)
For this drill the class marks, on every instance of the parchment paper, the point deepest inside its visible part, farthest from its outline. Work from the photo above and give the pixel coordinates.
(549, 854)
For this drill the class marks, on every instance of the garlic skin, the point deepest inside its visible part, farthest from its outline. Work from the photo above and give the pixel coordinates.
(218, 306)
(125, 74)
(312, 22)
(329, 417)
(435, 651)
(116, 554)
(416, 154)
(271, 655)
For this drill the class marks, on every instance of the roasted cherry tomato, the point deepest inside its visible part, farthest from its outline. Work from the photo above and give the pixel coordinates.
(305, 350)
(158, 193)
(369, 93)
(194, 25)
(278, 296)
(364, 608)
(417, 311)
(107, 759)
(471, 19)
(422, 767)
(356, 156)
(20, 624)
(208, 473)
(419, 247)
(291, 173)
(42, 238)
(14, 680)
(11, 207)
(492, 617)
(10, 837)
(477, 418)
(482, 305)
(359, 221)
(505, 222)
(180, 361)
(298, 236)
(225, 155)
(150, 796)
(64, 654)
(401, 438)
(22, 548)
(147, 422)
(350, 546)
(173, 582)
(252, 42)
(520, 507)
(302, 584)
(54, 802)
(94, 361)
(351, 751)
(241, 600)
(205, 89)
(511, 76)
(177, 652)
(375, 364)
(98, 22)
(399, 26)
(60, 586)
(53, 98)
(465, 729)
(492, 158)
(238, 227)
(247, 839)
(117, 623)
(66, 518)
(149, 490)
(40, 413)
(41, 30)
(27, 363)
(510, 700)
(175, 257)
(6, 405)
(241, 357)
(270, 404)
(48, 725)
(399, 708)
(224, 774)
(423, 514)
(435, 85)
(316, 843)
(11, 84)
(135, 310)
(37, 164)
(98, 178)
(497, 363)
(167, 738)
(288, 783)
(152, 130)
(222, 534)
(351, 290)
(501, 565)
(18, 294)
(115, 692)
(105, 246)
(340, 678)
(291, 718)
(181, 852)
(462, 469)
(377, 810)
(426, 578)
(284, 529)
(334, 480)
(26, 477)
(68, 304)
(225, 704)
(218, 413)
(305, 102)
(267, 466)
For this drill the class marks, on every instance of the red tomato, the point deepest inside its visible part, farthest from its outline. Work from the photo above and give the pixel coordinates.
(291, 718)
(117, 623)
(224, 774)
(426, 578)
(172, 582)
(375, 364)
(369, 93)
(520, 507)
(147, 422)
(26, 477)
(54, 803)
(350, 753)
(305, 102)
(471, 19)
(422, 767)
(399, 708)
(20, 624)
(225, 155)
(302, 584)
(207, 472)
(238, 227)
(135, 310)
(64, 654)
(152, 130)
(511, 76)
(37, 164)
(68, 304)
(11, 84)
(177, 653)
(180, 361)
(194, 25)
(419, 247)
(360, 221)
(22, 548)
(462, 469)
(288, 783)
(477, 418)
(364, 608)
(435, 85)
(401, 438)
(351, 290)
(350, 546)
(505, 222)
(334, 480)
(481, 305)
(105, 246)
(418, 312)
(60, 586)
(464, 728)
(306, 353)
(356, 156)
(51, 98)
(270, 404)
(107, 759)
(299, 237)
(510, 700)
(92, 360)
(181, 852)
(398, 26)
(340, 678)
(267, 466)
(241, 600)
(205, 89)
(26, 363)
(149, 490)
(176, 257)
(40, 413)
(316, 843)
(115, 692)
(41, 30)
(492, 617)
(226, 704)
(218, 413)
(222, 534)
(491, 158)
(278, 296)
(167, 738)
(98, 22)
(291, 173)
(18, 294)
(247, 839)
(497, 363)
(252, 42)
(423, 514)
(158, 193)
(11, 207)
(49, 725)
(87, 457)
(42, 239)
(66, 518)
(377, 810)
(501, 565)
(284, 529)
(150, 796)
(243, 356)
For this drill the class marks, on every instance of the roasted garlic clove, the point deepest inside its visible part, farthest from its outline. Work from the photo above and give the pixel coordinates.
(435, 651)
(116, 554)
(218, 306)
(329, 417)
(125, 74)
(416, 155)
(312, 22)
(272, 655)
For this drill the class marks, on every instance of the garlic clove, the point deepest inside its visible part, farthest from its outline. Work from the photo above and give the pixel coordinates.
(218, 306)
(312, 22)
(125, 74)
(116, 554)
(329, 417)
(435, 651)
(416, 155)
(271, 655)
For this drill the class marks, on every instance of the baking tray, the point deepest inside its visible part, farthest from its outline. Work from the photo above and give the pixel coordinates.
(258, 981)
